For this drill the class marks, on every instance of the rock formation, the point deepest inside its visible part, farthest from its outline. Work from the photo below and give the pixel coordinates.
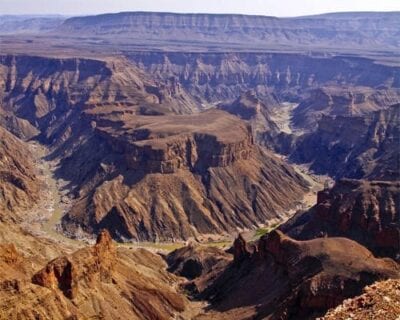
(257, 112)
(48, 92)
(288, 279)
(100, 281)
(379, 301)
(65, 273)
(367, 212)
(174, 176)
(155, 120)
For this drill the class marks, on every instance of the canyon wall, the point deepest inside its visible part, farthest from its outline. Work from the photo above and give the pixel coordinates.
(19, 184)
(354, 147)
(215, 77)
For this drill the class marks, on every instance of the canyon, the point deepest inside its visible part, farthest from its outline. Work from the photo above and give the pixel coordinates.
(193, 166)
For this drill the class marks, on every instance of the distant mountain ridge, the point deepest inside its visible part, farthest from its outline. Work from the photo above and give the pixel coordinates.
(352, 30)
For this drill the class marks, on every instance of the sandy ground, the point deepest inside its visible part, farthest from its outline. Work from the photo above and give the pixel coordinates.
(282, 116)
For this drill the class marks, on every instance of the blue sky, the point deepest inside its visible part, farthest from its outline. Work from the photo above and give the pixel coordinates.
(263, 7)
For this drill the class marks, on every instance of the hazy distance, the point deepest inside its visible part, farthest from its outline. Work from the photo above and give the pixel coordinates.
(280, 8)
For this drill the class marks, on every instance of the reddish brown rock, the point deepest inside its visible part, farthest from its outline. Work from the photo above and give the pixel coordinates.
(241, 249)
(378, 301)
(195, 260)
(365, 211)
(66, 272)
(58, 274)
(170, 177)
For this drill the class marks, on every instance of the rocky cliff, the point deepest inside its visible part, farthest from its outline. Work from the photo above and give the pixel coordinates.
(258, 112)
(115, 114)
(166, 144)
(367, 212)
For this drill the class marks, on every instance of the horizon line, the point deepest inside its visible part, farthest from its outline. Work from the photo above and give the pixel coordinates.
(189, 13)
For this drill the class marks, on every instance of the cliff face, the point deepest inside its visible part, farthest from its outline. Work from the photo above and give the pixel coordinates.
(19, 186)
(174, 176)
(367, 212)
(287, 279)
(216, 77)
(166, 144)
(354, 147)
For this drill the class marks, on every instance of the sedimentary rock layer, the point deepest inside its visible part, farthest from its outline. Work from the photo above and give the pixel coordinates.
(175, 176)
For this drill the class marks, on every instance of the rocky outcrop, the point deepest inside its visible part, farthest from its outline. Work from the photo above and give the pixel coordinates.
(241, 250)
(367, 212)
(101, 280)
(195, 260)
(289, 279)
(167, 144)
(379, 300)
(58, 274)
(354, 147)
(65, 273)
